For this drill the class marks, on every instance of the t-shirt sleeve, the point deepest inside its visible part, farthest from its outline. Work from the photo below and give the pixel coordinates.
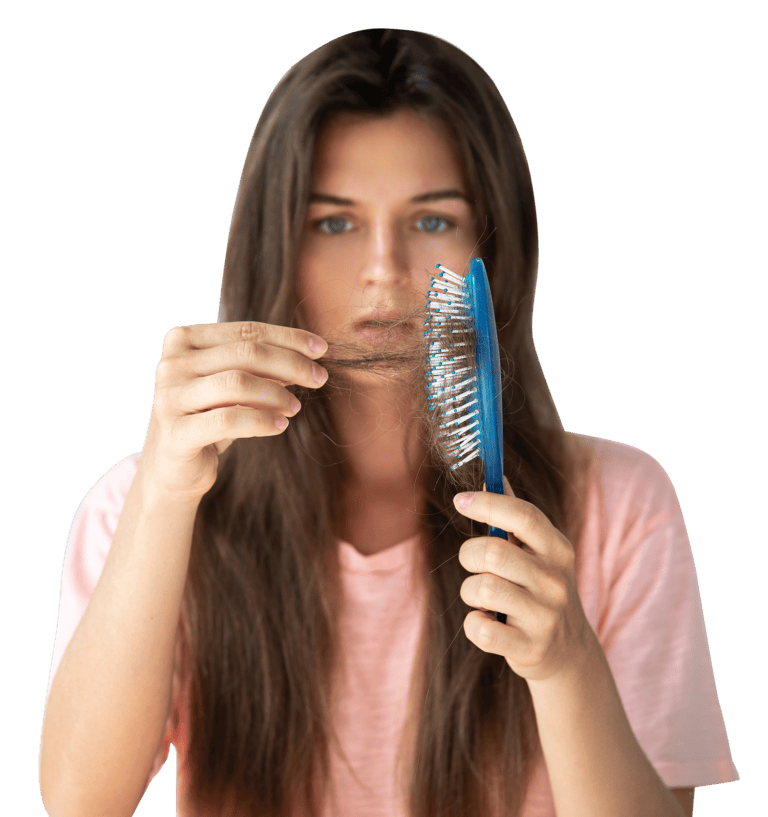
(652, 630)
(90, 538)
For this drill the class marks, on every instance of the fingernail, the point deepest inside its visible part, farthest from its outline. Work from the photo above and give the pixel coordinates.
(463, 500)
(319, 373)
(318, 345)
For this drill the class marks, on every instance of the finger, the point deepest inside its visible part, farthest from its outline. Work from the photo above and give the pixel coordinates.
(490, 635)
(511, 536)
(263, 360)
(516, 516)
(492, 555)
(233, 388)
(194, 431)
(207, 335)
(490, 593)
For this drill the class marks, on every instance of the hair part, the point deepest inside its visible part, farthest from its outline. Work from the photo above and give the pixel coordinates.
(263, 595)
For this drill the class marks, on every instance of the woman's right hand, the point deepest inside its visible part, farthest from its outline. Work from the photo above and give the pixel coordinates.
(214, 384)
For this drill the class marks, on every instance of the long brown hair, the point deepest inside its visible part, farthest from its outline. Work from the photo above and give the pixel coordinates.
(263, 591)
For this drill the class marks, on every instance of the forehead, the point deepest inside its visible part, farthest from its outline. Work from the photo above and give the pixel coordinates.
(358, 149)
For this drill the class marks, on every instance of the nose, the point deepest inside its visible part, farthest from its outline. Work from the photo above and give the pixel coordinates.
(386, 261)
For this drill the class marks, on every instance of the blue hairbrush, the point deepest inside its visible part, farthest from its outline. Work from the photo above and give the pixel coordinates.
(464, 384)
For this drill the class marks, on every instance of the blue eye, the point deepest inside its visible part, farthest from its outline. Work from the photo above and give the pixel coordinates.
(430, 220)
(334, 220)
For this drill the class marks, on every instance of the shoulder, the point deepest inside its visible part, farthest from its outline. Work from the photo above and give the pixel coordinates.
(636, 565)
(628, 497)
(99, 510)
(620, 469)
(113, 486)
(88, 544)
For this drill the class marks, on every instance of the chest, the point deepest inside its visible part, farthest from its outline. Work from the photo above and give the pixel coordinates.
(376, 522)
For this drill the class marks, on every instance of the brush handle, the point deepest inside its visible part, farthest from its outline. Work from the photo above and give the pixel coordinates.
(488, 374)
(497, 532)
(492, 531)
(489, 384)
(502, 617)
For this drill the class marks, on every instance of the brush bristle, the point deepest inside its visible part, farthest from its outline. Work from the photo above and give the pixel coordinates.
(451, 377)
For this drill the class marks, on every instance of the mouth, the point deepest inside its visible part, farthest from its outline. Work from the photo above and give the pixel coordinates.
(381, 321)
(376, 319)
(377, 326)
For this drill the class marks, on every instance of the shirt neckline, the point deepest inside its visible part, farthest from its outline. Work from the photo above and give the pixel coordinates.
(384, 561)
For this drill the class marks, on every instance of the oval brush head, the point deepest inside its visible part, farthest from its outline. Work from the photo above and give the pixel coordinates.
(463, 371)
(464, 374)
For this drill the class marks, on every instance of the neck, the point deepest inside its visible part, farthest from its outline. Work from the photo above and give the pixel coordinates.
(372, 423)
(382, 497)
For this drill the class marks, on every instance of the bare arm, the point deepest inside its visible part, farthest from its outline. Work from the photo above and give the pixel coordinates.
(595, 764)
(110, 698)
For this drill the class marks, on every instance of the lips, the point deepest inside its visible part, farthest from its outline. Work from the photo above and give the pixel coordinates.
(373, 318)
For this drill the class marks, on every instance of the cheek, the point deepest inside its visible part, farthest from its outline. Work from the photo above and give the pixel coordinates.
(330, 266)
(309, 289)
(452, 249)
(324, 294)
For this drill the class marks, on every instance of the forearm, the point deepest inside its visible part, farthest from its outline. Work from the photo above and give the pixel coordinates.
(109, 699)
(594, 762)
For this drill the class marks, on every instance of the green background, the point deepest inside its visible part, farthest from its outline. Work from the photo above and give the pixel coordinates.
(124, 136)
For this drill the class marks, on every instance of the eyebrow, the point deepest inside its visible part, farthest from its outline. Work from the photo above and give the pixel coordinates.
(435, 195)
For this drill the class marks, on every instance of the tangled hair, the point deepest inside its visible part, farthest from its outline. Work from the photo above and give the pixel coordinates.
(263, 594)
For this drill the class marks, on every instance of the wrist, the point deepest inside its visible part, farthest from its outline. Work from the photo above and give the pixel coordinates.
(155, 496)
(585, 662)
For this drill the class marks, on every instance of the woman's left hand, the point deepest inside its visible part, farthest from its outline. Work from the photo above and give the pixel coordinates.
(547, 631)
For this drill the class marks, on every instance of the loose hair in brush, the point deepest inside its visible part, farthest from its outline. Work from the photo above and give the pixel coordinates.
(263, 594)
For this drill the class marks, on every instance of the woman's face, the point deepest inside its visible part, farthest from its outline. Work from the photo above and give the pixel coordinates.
(388, 203)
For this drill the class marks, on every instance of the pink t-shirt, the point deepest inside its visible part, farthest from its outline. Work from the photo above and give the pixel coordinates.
(637, 584)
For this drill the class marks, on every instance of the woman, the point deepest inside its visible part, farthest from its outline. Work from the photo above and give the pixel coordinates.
(288, 611)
